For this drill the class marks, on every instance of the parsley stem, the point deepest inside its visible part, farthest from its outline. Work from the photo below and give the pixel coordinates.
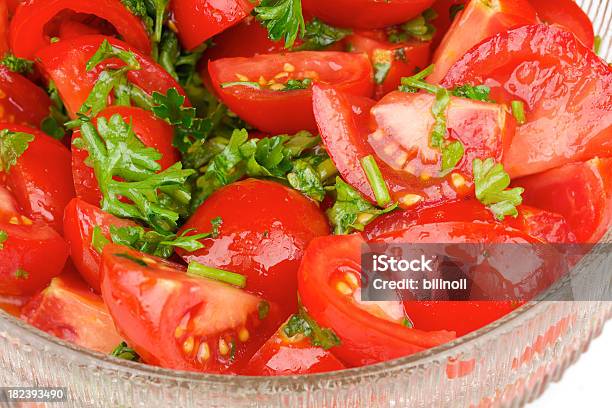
(248, 84)
(203, 271)
(326, 169)
(518, 110)
(377, 182)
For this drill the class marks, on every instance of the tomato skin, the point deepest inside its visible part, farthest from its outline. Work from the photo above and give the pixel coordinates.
(405, 57)
(443, 22)
(80, 218)
(177, 321)
(266, 245)
(35, 248)
(278, 112)
(581, 192)
(69, 310)
(64, 63)
(567, 14)
(199, 20)
(27, 29)
(40, 181)
(21, 101)
(151, 131)
(565, 88)
(484, 20)
(365, 13)
(540, 224)
(4, 22)
(281, 355)
(365, 338)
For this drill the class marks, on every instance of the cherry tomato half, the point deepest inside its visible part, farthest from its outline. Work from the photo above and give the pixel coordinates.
(28, 30)
(271, 108)
(565, 89)
(567, 14)
(21, 101)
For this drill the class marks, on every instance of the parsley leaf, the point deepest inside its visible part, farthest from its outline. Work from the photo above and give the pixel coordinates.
(17, 65)
(302, 323)
(318, 36)
(306, 179)
(419, 28)
(21, 274)
(296, 84)
(477, 93)
(491, 182)
(53, 125)
(3, 238)
(282, 19)
(12, 146)
(124, 352)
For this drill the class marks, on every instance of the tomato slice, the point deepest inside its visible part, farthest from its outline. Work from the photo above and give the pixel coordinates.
(581, 192)
(21, 101)
(402, 124)
(567, 14)
(151, 131)
(264, 232)
(199, 20)
(69, 310)
(64, 63)
(540, 224)
(29, 29)
(283, 355)
(478, 21)
(365, 13)
(564, 86)
(287, 111)
(80, 219)
(181, 322)
(369, 332)
(399, 59)
(447, 11)
(40, 180)
(4, 22)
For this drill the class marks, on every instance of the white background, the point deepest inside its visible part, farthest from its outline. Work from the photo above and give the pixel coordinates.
(586, 384)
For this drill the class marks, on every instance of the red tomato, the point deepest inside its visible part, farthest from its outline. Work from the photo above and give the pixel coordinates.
(80, 219)
(442, 23)
(67, 309)
(278, 111)
(365, 13)
(64, 63)
(404, 58)
(567, 14)
(282, 355)
(581, 192)
(199, 20)
(178, 321)
(41, 179)
(478, 21)
(266, 228)
(29, 27)
(69, 29)
(21, 101)
(540, 224)
(369, 332)
(401, 124)
(13, 304)
(4, 21)
(564, 86)
(151, 131)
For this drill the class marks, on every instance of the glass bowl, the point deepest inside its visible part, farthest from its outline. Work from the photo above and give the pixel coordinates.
(505, 364)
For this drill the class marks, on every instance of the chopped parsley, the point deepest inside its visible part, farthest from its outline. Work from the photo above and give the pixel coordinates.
(477, 93)
(302, 324)
(376, 180)
(263, 309)
(3, 238)
(202, 271)
(492, 182)
(318, 36)
(518, 111)
(454, 10)
(12, 146)
(124, 352)
(17, 65)
(21, 274)
(297, 84)
(283, 19)
(419, 28)
(53, 125)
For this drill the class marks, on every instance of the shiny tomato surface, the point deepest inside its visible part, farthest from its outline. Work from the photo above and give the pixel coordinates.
(21, 101)
(568, 14)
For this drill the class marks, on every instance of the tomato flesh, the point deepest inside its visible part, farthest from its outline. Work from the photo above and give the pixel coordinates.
(21, 101)
(69, 310)
(565, 89)
(567, 14)
(177, 321)
(279, 111)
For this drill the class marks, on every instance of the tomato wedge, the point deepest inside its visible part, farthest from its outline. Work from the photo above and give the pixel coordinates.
(40, 180)
(21, 101)
(484, 19)
(151, 131)
(447, 11)
(267, 104)
(543, 225)
(64, 63)
(565, 89)
(401, 124)
(567, 14)
(199, 20)
(283, 355)
(365, 13)
(391, 61)
(369, 332)
(178, 321)
(80, 219)
(263, 235)
(30, 27)
(581, 192)
(4, 22)
(67, 309)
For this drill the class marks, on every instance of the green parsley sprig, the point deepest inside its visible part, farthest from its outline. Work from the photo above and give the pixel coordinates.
(302, 324)
(283, 19)
(17, 65)
(12, 146)
(491, 182)
(124, 352)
